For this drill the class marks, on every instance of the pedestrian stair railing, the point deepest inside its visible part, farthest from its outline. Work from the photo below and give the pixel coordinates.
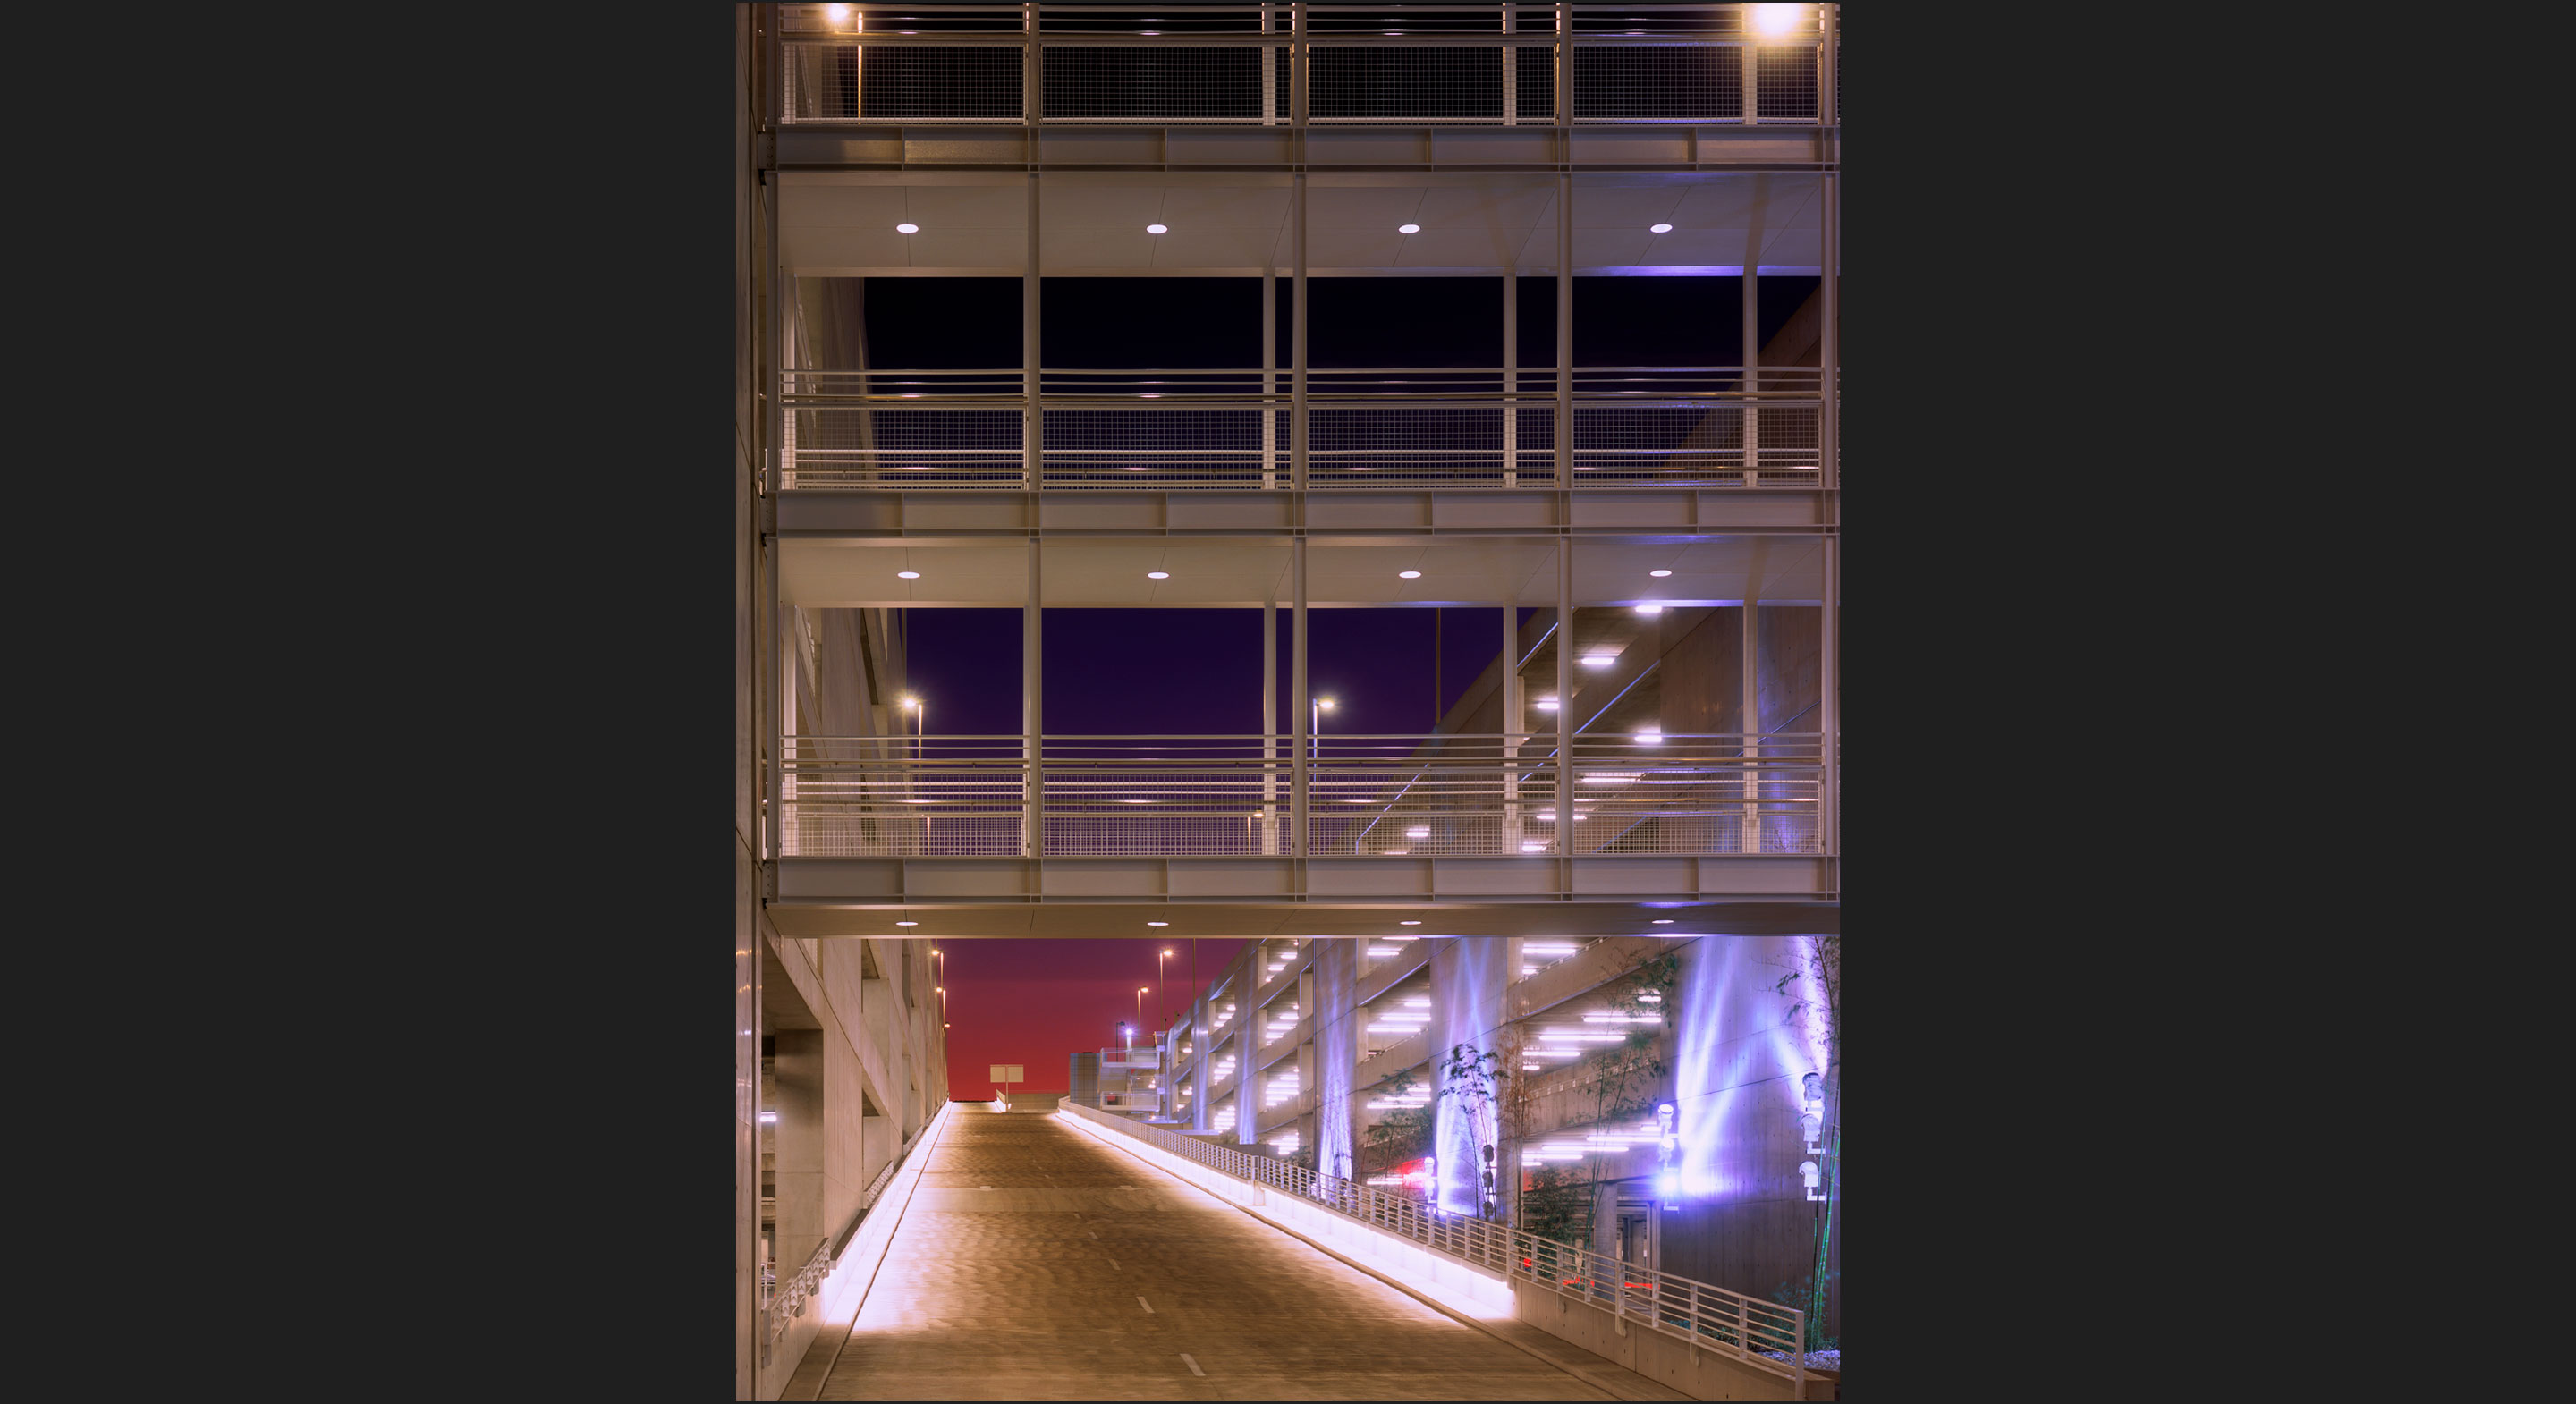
(787, 1301)
(1760, 1334)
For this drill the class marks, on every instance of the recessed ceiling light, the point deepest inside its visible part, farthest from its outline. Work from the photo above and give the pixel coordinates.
(1663, 229)
(907, 923)
(1661, 921)
(1408, 923)
(1650, 609)
(1408, 229)
(907, 575)
(907, 229)
(1158, 575)
(1158, 923)
(1408, 575)
(1545, 704)
(1659, 574)
(1158, 229)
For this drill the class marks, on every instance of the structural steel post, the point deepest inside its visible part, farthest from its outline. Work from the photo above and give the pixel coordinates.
(1297, 345)
(1270, 726)
(1299, 701)
(1269, 374)
(1749, 723)
(1565, 335)
(1511, 72)
(1269, 69)
(1565, 695)
(1750, 55)
(1511, 373)
(1033, 417)
(1829, 358)
(1510, 727)
(1032, 715)
(1752, 289)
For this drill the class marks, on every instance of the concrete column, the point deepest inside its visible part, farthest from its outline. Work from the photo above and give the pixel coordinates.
(1032, 713)
(798, 1137)
(1202, 1014)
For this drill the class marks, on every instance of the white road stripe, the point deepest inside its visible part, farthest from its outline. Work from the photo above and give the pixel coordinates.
(1194, 1365)
(1148, 1306)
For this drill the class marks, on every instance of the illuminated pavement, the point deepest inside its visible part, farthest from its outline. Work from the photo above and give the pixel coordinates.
(1017, 1273)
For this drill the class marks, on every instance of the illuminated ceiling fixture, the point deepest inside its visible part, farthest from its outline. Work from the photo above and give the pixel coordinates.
(837, 14)
(1650, 736)
(1408, 575)
(1158, 229)
(1159, 923)
(1158, 575)
(907, 575)
(1777, 19)
(1659, 574)
(907, 229)
(1650, 609)
(1661, 921)
(1408, 923)
(1545, 704)
(1408, 229)
(1663, 228)
(907, 923)
(1600, 660)
(1417, 831)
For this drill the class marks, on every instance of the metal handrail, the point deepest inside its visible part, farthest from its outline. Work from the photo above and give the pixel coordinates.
(1709, 1317)
(788, 1301)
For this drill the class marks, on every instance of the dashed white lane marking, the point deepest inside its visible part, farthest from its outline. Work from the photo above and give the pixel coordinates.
(1113, 1262)
(1194, 1365)
(1148, 1306)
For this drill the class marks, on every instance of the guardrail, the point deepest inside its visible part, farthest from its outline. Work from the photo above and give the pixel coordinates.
(1444, 795)
(1632, 426)
(784, 1303)
(1299, 65)
(1710, 1317)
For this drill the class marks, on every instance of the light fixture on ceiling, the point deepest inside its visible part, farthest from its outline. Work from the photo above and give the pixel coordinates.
(907, 229)
(1777, 19)
(1650, 609)
(1663, 228)
(1408, 923)
(1659, 574)
(1158, 923)
(837, 14)
(1408, 229)
(1545, 704)
(1408, 575)
(1600, 660)
(1418, 831)
(1158, 575)
(1661, 921)
(1158, 229)
(907, 575)
(907, 923)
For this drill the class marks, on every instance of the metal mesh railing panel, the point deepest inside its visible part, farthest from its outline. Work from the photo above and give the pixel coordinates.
(909, 448)
(1658, 83)
(1164, 448)
(902, 82)
(1693, 444)
(1153, 82)
(1785, 84)
(1709, 1316)
(1408, 84)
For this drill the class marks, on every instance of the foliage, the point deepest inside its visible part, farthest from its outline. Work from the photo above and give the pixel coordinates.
(1804, 1294)
(1821, 959)
(1400, 1135)
(1558, 1205)
(1476, 1079)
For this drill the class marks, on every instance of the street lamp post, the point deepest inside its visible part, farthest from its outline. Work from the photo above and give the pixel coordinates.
(1163, 988)
(1315, 731)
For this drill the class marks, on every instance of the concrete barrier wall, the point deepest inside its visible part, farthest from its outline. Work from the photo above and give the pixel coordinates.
(1462, 1287)
(845, 1288)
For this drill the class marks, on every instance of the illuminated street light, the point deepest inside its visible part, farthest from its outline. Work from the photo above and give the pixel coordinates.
(1315, 729)
(1776, 20)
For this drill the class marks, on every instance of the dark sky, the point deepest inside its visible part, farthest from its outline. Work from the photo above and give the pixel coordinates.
(1116, 672)
(1039, 1002)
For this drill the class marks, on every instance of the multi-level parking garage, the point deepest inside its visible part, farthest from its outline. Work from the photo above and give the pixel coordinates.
(1655, 739)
